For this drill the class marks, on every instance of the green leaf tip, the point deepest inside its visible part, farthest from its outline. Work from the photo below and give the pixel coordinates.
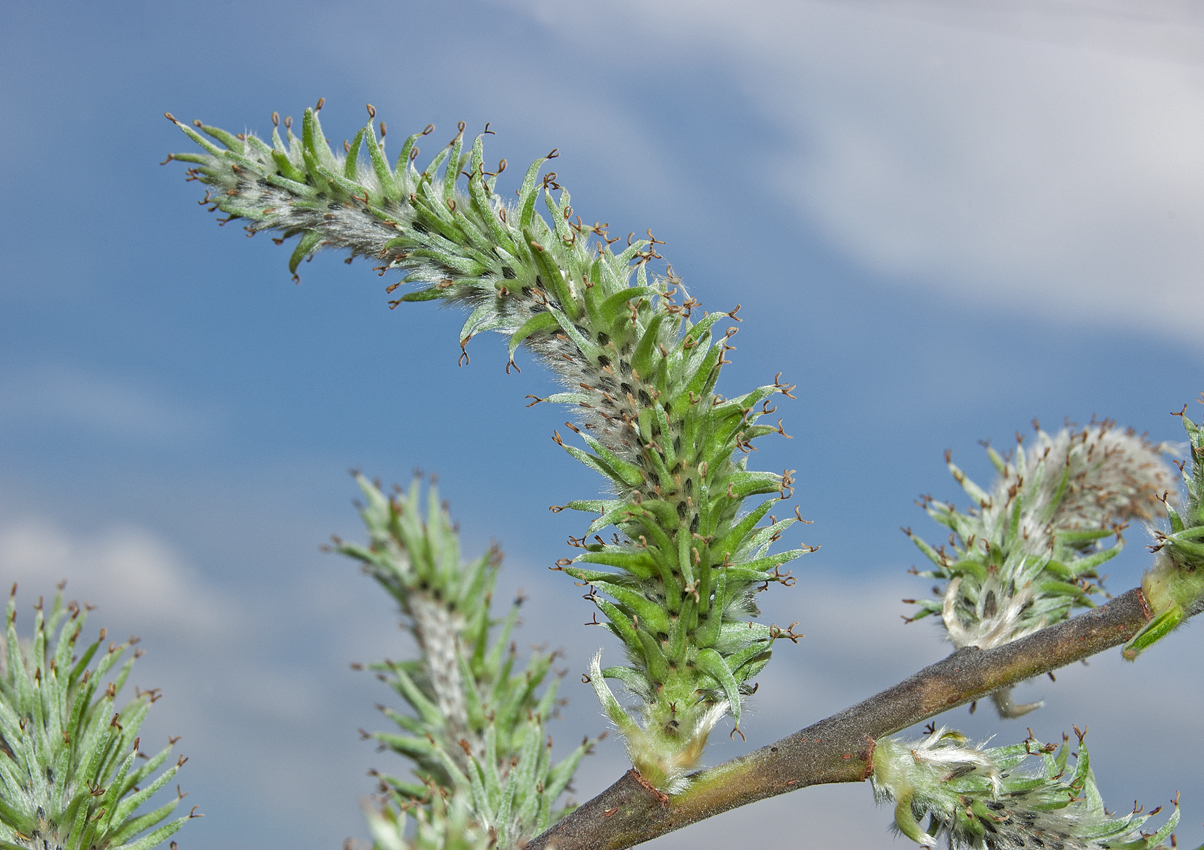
(1174, 585)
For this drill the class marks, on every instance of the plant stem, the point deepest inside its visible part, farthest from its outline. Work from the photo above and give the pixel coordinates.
(840, 748)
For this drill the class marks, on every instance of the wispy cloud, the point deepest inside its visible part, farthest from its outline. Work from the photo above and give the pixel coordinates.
(139, 576)
(83, 398)
(1040, 159)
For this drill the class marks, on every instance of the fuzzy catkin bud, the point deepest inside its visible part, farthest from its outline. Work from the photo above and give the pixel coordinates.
(981, 799)
(1028, 551)
(1081, 479)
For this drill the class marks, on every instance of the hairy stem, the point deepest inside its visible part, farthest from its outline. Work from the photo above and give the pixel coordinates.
(840, 748)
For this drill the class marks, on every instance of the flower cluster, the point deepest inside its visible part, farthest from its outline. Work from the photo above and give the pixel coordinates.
(70, 775)
(1028, 550)
(981, 799)
(476, 734)
(676, 583)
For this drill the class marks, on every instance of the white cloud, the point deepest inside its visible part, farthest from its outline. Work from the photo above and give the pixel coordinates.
(82, 398)
(1045, 158)
(139, 577)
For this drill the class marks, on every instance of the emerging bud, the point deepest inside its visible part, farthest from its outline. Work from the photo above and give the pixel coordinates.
(978, 799)
(1174, 586)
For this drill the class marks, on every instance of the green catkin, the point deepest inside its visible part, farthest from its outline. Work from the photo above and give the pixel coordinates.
(984, 799)
(477, 734)
(71, 771)
(639, 369)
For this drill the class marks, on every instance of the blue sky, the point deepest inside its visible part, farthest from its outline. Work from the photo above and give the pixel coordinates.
(941, 221)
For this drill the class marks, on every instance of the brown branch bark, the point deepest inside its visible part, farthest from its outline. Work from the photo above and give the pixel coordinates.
(840, 748)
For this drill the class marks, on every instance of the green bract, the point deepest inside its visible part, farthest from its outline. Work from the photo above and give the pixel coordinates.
(1028, 551)
(982, 799)
(676, 583)
(439, 824)
(477, 731)
(71, 777)
(1174, 586)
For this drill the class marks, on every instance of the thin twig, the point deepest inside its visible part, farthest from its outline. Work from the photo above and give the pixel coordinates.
(840, 748)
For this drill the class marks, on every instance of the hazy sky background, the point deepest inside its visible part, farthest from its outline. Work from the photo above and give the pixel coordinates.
(941, 220)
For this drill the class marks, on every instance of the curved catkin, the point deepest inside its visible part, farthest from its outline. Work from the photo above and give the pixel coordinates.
(1028, 549)
(1023, 554)
(674, 558)
(639, 363)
